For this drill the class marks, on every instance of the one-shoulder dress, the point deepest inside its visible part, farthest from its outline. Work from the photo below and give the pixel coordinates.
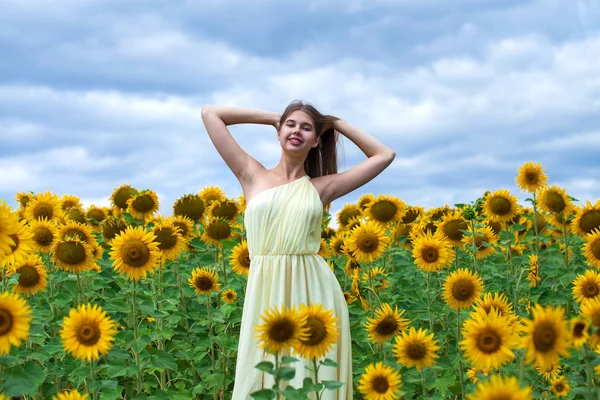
(283, 226)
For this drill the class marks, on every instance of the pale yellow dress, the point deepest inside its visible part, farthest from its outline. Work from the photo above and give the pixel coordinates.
(283, 226)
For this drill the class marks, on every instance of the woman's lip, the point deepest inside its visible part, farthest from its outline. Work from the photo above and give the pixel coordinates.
(300, 140)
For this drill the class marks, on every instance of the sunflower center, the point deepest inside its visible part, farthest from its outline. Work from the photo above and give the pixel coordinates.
(380, 384)
(191, 206)
(488, 341)
(122, 196)
(98, 215)
(15, 246)
(28, 276)
(500, 206)
(559, 387)
(367, 242)
(451, 229)
(43, 236)
(590, 220)
(383, 210)
(416, 351)
(71, 252)
(348, 214)
(203, 283)
(544, 337)
(183, 227)
(410, 216)
(68, 204)
(595, 248)
(282, 330)
(430, 254)
(166, 238)
(244, 260)
(75, 214)
(495, 226)
(590, 289)
(135, 253)
(225, 210)
(578, 330)
(316, 333)
(112, 228)
(88, 334)
(531, 177)
(6, 321)
(555, 202)
(387, 326)
(463, 289)
(43, 211)
(143, 203)
(218, 230)
(77, 233)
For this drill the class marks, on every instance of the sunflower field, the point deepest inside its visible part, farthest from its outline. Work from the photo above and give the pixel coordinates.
(490, 299)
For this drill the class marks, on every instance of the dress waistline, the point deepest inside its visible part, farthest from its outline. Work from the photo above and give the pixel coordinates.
(284, 254)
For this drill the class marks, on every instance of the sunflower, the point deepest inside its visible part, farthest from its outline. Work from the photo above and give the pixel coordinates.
(586, 286)
(364, 200)
(44, 234)
(586, 219)
(224, 208)
(282, 329)
(590, 309)
(484, 241)
(549, 372)
(381, 283)
(322, 332)
(336, 242)
(432, 252)
(68, 200)
(135, 253)
(15, 319)
(111, 227)
(43, 205)
(240, 259)
(412, 213)
(190, 206)
(534, 270)
(416, 348)
(23, 198)
(32, 275)
(23, 244)
(495, 300)
(72, 255)
(500, 206)
(87, 332)
(380, 382)
(531, 177)
(385, 209)
(143, 205)
(472, 374)
(451, 226)
(217, 230)
(77, 229)
(580, 331)
(324, 250)
(487, 340)
(185, 225)
(210, 194)
(349, 297)
(554, 200)
(500, 388)
(9, 225)
(204, 280)
(422, 227)
(546, 336)
(386, 324)
(121, 196)
(229, 296)
(461, 288)
(170, 242)
(351, 266)
(347, 212)
(74, 214)
(95, 215)
(70, 395)
(591, 248)
(560, 386)
(368, 242)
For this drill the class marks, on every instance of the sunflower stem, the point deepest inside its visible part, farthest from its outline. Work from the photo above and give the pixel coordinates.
(589, 372)
(135, 336)
(210, 335)
(566, 255)
(423, 383)
(473, 241)
(276, 385)
(460, 364)
(93, 382)
(427, 274)
(535, 227)
(316, 367)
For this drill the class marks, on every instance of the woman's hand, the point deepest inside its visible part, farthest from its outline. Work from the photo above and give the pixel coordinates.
(276, 119)
(329, 124)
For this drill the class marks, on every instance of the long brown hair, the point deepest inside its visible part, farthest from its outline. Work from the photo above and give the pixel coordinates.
(321, 160)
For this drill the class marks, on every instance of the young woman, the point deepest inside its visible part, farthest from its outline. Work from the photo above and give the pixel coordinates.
(284, 210)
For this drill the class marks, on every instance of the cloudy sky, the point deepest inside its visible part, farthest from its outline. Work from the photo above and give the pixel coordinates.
(94, 94)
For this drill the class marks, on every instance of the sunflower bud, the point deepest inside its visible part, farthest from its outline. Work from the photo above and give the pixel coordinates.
(468, 213)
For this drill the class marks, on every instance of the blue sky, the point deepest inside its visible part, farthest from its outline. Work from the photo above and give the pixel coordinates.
(94, 94)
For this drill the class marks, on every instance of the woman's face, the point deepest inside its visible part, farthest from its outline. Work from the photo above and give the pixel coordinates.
(297, 133)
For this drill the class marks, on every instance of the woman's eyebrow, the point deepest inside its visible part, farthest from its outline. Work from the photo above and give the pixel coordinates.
(304, 123)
